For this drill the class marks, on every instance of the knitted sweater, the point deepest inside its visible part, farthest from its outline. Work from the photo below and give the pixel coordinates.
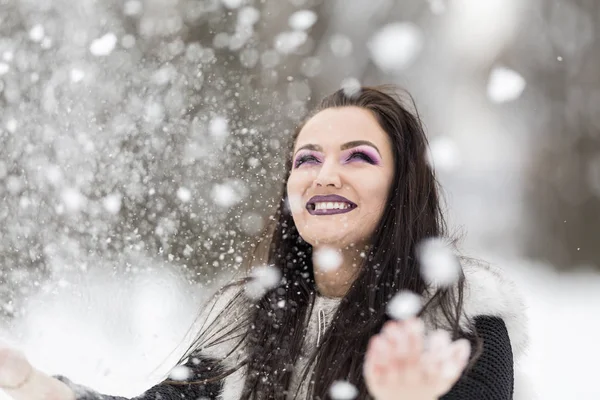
(490, 301)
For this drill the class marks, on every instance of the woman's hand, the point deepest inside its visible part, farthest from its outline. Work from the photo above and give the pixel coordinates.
(21, 381)
(402, 364)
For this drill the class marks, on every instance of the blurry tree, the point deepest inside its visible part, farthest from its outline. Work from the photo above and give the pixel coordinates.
(152, 127)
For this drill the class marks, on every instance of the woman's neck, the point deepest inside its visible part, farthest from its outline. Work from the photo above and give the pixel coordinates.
(336, 269)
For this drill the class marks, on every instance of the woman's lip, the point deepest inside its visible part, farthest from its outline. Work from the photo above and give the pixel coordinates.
(331, 211)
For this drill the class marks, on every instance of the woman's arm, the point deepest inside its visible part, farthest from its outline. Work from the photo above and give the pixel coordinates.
(492, 377)
(165, 390)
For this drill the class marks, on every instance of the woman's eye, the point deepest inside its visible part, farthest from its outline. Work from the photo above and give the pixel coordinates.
(303, 159)
(362, 156)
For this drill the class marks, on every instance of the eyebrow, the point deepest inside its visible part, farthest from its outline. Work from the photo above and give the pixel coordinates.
(345, 146)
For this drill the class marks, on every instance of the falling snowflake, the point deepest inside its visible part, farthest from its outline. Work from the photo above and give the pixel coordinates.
(218, 127)
(132, 7)
(343, 390)
(73, 200)
(443, 153)
(248, 16)
(232, 4)
(439, 264)
(351, 87)
(340, 45)
(505, 85)
(11, 125)
(395, 46)
(224, 195)
(404, 305)
(184, 194)
(327, 259)
(180, 373)
(112, 203)
(263, 279)
(36, 33)
(288, 42)
(76, 75)
(103, 46)
(302, 20)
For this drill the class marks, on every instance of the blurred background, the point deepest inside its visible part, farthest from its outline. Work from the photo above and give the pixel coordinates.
(142, 145)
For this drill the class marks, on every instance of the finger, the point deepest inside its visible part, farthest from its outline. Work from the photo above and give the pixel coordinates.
(438, 341)
(40, 386)
(14, 368)
(449, 364)
(379, 350)
(375, 365)
(396, 335)
(461, 352)
(415, 330)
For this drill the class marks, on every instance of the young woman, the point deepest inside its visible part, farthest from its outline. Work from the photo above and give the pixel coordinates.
(358, 187)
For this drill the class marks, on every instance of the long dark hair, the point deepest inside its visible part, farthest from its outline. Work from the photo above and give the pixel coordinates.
(273, 335)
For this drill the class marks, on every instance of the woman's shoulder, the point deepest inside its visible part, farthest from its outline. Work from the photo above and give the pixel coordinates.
(491, 295)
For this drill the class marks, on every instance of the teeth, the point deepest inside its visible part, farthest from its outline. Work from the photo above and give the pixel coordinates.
(331, 206)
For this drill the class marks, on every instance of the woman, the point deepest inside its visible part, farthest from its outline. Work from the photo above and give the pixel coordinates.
(359, 192)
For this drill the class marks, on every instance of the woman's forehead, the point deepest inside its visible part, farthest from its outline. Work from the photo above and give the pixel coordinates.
(340, 125)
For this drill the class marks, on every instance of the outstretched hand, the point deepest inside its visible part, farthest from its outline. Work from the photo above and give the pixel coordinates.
(401, 363)
(21, 381)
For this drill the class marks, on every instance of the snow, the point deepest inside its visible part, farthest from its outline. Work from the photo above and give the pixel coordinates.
(327, 259)
(248, 16)
(76, 75)
(72, 199)
(302, 20)
(288, 42)
(265, 277)
(218, 127)
(251, 223)
(132, 7)
(505, 85)
(443, 154)
(395, 46)
(340, 45)
(36, 33)
(112, 203)
(99, 156)
(11, 125)
(224, 195)
(232, 4)
(404, 305)
(438, 262)
(343, 390)
(104, 45)
(184, 194)
(180, 373)
(351, 86)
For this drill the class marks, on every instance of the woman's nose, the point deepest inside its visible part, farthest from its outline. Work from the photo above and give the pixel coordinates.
(328, 175)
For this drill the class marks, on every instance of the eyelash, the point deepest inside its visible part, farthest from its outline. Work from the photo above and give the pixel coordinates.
(363, 156)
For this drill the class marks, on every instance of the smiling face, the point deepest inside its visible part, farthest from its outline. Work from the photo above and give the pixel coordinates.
(340, 152)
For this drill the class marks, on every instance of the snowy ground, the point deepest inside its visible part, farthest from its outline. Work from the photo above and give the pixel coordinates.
(113, 334)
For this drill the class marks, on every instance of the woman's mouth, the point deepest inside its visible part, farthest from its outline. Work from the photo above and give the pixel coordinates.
(329, 208)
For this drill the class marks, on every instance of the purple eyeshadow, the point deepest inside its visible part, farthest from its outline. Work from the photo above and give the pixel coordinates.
(311, 157)
(304, 157)
(372, 154)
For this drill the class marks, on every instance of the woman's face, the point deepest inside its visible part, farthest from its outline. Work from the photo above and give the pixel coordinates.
(340, 152)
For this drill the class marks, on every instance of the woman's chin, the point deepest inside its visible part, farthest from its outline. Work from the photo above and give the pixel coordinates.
(334, 239)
